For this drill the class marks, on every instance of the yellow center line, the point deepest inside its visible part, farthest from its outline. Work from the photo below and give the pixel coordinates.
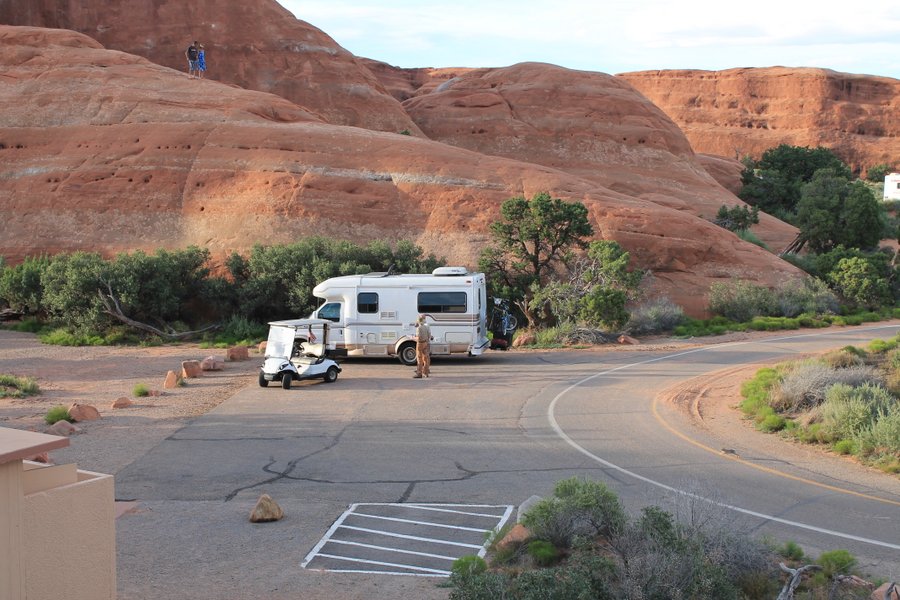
(771, 471)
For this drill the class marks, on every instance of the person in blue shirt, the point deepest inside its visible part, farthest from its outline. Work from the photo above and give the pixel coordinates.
(201, 61)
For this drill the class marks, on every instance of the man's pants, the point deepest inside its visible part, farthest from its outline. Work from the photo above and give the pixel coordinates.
(423, 358)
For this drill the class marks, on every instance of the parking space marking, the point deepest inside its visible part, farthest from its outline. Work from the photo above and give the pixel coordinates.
(419, 540)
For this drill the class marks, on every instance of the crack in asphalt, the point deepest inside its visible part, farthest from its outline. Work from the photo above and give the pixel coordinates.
(290, 466)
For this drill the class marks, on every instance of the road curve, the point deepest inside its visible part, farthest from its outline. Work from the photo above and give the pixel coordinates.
(612, 418)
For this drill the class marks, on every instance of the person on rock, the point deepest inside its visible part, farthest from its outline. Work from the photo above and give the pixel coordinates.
(192, 54)
(201, 61)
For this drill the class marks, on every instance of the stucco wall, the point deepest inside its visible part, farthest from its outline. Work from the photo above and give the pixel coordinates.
(70, 540)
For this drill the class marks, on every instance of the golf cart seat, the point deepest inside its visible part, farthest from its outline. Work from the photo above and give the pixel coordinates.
(311, 349)
(307, 359)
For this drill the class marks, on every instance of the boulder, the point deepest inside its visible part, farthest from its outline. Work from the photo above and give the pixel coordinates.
(518, 534)
(523, 508)
(266, 510)
(191, 368)
(171, 380)
(262, 347)
(62, 428)
(880, 592)
(627, 339)
(83, 412)
(524, 338)
(122, 402)
(238, 353)
(211, 363)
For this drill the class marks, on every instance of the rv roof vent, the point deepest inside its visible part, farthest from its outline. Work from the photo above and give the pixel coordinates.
(445, 271)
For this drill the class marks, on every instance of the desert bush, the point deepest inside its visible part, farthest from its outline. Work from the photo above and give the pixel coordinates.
(658, 315)
(805, 385)
(809, 295)
(578, 508)
(849, 410)
(836, 562)
(140, 391)
(883, 434)
(842, 359)
(18, 387)
(57, 413)
(740, 300)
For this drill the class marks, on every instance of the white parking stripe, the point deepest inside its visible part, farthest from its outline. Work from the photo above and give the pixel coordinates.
(360, 544)
(387, 564)
(412, 537)
(457, 512)
(411, 548)
(427, 523)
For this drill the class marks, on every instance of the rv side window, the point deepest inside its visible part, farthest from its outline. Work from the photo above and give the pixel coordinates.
(331, 311)
(367, 302)
(442, 302)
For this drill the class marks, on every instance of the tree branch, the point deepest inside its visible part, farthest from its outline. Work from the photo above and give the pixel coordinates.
(113, 308)
(796, 577)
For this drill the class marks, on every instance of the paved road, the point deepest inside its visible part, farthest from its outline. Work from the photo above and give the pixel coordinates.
(490, 431)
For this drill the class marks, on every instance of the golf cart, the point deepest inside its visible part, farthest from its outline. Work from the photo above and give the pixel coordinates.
(296, 350)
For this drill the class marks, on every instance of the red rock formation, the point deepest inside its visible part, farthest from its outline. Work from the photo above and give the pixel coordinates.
(255, 44)
(105, 151)
(591, 125)
(740, 112)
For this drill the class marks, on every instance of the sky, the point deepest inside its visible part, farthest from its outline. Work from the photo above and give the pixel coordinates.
(616, 36)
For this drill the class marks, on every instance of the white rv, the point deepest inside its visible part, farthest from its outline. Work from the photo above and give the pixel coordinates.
(375, 314)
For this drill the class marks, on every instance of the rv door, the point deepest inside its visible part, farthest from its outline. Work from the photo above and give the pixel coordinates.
(332, 311)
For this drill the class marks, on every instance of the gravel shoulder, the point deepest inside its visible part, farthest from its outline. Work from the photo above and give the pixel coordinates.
(97, 376)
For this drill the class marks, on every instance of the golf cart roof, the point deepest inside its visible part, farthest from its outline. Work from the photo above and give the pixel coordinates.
(299, 323)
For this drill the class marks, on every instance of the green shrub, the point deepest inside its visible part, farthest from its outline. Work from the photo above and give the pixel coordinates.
(882, 346)
(791, 551)
(836, 562)
(140, 391)
(27, 325)
(772, 423)
(57, 413)
(467, 566)
(18, 387)
(809, 296)
(543, 553)
(845, 447)
(578, 508)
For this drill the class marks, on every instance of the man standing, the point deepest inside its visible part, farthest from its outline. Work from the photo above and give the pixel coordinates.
(193, 54)
(423, 349)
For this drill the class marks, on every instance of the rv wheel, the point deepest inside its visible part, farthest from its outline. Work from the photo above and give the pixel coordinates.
(263, 382)
(286, 381)
(407, 354)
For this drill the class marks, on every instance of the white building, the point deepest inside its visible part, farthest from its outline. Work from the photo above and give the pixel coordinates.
(892, 186)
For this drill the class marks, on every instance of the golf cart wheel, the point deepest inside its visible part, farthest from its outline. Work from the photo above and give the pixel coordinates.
(407, 354)
(286, 381)
(263, 382)
(331, 375)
